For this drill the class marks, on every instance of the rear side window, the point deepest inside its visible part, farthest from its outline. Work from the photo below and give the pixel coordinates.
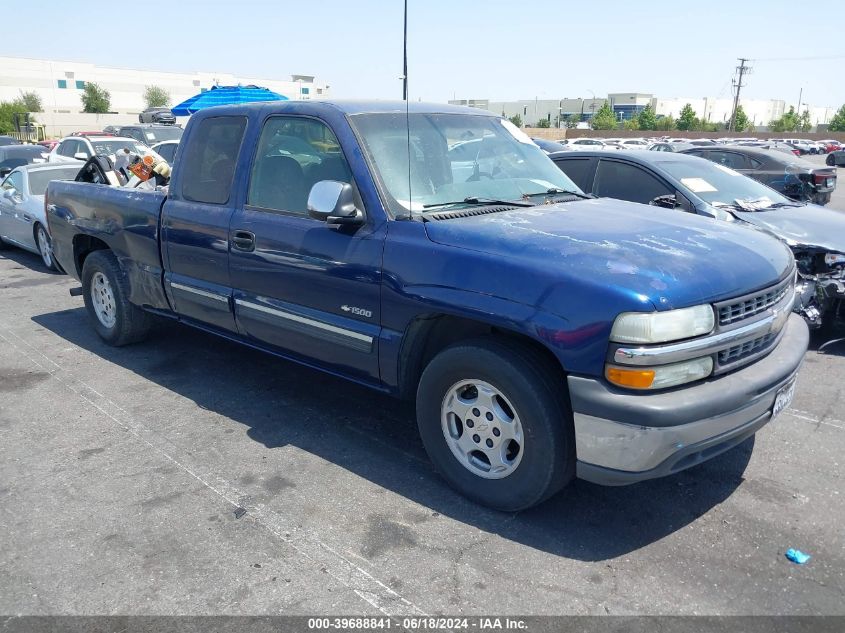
(626, 182)
(577, 169)
(208, 163)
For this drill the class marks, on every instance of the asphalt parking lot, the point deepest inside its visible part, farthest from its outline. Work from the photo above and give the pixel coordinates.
(189, 475)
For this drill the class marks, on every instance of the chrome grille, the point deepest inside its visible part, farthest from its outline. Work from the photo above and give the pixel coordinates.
(748, 306)
(738, 352)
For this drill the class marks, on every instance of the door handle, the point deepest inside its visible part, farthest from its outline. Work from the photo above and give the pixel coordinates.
(243, 240)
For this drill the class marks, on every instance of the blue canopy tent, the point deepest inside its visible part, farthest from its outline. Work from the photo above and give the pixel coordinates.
(225, 95)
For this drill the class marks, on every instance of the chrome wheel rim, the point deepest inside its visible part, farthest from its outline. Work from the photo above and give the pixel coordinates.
(45, 247)
(482, 429)
(102, 297)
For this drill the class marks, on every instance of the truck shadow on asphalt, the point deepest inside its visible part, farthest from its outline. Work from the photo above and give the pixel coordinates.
(375, 437)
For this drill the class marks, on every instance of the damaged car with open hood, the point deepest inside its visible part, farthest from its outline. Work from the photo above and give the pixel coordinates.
(688, 183)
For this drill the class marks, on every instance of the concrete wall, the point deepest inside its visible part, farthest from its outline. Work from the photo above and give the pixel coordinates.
(555, 134)
(57, 125)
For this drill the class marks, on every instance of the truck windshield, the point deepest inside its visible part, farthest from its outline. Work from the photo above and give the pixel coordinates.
(455, 160)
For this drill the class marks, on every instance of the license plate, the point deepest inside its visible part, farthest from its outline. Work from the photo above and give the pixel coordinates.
(783, 398)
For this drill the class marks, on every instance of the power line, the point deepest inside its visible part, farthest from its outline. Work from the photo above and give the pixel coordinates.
(797, 59)
(741, 69)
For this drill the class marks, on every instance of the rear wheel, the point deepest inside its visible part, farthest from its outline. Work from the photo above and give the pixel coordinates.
(106, 293)
(45, 247)
(496, 423)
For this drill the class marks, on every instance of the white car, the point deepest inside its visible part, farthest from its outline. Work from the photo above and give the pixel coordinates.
(634, 143)
(22, 217)
(586, 143)
(166, 149)
(81, 148)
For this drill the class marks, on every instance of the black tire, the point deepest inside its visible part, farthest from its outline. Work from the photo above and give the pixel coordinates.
(536, 392)
(47, 258)
(131, 324)
(830, 160)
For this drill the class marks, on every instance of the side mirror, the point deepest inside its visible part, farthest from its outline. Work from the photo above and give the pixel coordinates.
(80, 156)
(667, 202)
(334, 203)
(8, 193)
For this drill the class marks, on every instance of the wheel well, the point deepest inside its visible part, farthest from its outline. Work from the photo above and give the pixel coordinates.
(83, 246)
(428, 335)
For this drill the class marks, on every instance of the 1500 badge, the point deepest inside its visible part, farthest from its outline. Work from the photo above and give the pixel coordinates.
(357, 311)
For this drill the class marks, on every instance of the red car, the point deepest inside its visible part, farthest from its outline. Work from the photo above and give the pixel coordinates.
(49, 144)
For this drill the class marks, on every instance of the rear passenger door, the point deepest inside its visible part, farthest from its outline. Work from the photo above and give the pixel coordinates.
(305, 288)
(195, 223)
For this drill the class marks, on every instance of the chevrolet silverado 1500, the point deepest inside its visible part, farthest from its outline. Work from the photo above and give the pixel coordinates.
(438, 254)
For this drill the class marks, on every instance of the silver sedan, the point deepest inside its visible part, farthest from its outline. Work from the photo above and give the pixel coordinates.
(22, 219)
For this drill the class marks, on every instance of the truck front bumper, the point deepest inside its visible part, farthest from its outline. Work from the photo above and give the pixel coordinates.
(623, 437)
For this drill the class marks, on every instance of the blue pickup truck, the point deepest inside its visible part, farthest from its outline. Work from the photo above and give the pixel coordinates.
(437, 254)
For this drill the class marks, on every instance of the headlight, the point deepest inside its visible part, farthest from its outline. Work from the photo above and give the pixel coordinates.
(834, 259)
(661, 376)
(660, 327)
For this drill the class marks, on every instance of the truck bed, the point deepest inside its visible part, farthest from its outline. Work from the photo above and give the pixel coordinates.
(84, 216)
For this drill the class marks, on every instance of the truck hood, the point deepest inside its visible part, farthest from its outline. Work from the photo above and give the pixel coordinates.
(808, 225)
(669, 258)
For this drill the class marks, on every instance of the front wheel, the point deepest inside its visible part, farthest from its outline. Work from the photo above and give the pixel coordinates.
(830, 160)
(496, 424)
(106, 293)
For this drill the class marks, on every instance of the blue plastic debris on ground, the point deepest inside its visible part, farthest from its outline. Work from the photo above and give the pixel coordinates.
(797, 556)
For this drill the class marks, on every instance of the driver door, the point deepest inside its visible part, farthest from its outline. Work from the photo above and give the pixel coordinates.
(303, 287)
(13, 225)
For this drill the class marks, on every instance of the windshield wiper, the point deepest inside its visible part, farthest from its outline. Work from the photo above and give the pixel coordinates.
(475, 200)
(559, 191)
(781, 205)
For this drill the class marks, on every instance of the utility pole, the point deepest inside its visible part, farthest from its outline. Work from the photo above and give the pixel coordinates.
(738, 85)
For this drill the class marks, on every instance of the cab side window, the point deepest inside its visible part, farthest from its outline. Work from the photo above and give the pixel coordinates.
(208, 164)
(293, 154)
(615, 179)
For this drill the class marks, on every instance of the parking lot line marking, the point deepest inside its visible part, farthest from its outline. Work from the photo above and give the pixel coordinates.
(359, 581)
(809, 417)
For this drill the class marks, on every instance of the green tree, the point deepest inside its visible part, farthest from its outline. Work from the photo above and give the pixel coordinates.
(631, 124)
(664, 123)
(95, 99)
(804, 123)
(543, 123)
(646, 119)
(32, 101)
(837, 123)
(572, 120)
(8, 109)
(687, 120)
(604, 118)
(516, 120)
(156, 97)
(789, 122)
(741, 120)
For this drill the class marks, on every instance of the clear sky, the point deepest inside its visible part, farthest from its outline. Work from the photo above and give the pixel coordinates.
(496, 49)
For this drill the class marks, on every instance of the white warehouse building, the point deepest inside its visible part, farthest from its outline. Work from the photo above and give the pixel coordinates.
(60, 84)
